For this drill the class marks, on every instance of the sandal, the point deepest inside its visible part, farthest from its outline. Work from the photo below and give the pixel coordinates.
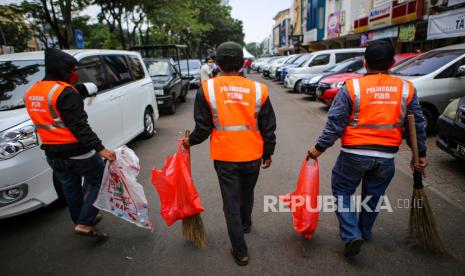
(238, 258)
(93, 234)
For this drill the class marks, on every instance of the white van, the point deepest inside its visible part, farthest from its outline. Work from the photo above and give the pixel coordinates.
(123, 108)
(318, 62)
(438, 76)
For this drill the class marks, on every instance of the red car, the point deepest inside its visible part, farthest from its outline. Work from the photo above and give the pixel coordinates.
(328, 87)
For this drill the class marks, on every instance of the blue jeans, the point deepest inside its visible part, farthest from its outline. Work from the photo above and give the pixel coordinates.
(375, 173)
(70, 173)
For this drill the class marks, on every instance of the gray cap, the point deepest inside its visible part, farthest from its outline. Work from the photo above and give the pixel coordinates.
(229, 51)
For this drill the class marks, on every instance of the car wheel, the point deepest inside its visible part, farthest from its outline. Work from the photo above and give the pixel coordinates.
(296, 87)
(59, 189)
(429, 117)
(172, 108)
(149, 125)
(182, 98)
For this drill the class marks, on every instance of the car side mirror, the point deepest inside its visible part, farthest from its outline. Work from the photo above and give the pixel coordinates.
(460, 71)
(91, 88)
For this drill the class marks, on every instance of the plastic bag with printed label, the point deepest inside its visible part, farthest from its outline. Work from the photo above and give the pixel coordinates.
(120, 193)
(303, 202)
(178, 196)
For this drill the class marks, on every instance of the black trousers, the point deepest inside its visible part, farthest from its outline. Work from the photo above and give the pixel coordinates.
(237, 183)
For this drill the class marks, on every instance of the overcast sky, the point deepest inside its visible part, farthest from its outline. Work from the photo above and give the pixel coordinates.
(257, 15)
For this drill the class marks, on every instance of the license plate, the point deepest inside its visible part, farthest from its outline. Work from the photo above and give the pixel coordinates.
(160, 102)
(461, 150)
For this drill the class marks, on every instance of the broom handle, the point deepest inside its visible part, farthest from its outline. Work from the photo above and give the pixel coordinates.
(186, 135)
(413, 138)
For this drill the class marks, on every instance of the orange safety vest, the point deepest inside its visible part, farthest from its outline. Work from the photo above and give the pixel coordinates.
(235, 103)
(378, 112)
(40, 102)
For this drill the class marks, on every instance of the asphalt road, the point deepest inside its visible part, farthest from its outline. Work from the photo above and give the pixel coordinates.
(42, 242)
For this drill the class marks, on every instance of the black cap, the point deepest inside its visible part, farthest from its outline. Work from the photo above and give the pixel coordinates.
(379, 55)
(229, 51)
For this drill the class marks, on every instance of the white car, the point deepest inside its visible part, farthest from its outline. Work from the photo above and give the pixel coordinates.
(438, 76)
(123, 108)
(317, 63)
(274, 67)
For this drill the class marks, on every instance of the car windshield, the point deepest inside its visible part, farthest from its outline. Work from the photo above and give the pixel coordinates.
(16, 77)
(292, 59)
(426, 63)
(193, 65)
(308, 59)
(301, 59)
(158, 68)
(341, 66)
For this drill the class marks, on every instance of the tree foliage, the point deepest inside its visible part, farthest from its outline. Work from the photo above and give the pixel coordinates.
(201, 24)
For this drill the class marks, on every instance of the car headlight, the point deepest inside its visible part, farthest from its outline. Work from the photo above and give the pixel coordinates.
(17, 139)
(451, 110)
(315, 79)
(306, 82)
(337, 84)
(159, 92)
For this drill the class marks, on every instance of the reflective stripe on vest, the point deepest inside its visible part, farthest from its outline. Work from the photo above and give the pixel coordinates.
(216, 121)
(354, 123)
(56, 118)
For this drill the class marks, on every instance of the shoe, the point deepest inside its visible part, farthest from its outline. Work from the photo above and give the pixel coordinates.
(240, 261)
(352, 247)
(248, 228)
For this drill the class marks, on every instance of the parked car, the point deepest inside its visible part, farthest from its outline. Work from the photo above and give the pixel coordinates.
(193, 73)
(266, 68)
(309, 86)
(167, 82)
(275, 68)
(329, 86)
(438, 76)
(258, 63)
(297, 63)
(124, 107)
(451, 129)
(318, 62)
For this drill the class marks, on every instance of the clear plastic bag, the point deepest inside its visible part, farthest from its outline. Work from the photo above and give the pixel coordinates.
(120, 193)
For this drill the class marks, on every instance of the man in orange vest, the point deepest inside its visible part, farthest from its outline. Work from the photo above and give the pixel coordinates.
(369, 116)
(238, 116)
(73, 150)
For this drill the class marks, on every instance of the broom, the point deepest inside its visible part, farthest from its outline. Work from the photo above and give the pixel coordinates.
(422, 228)
(192, 227)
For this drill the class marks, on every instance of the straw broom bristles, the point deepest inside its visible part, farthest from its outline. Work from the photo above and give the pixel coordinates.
(422, 227)
(194, 231)
(192, 227)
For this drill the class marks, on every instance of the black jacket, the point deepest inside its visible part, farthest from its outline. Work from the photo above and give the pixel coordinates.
(204, 124)
(58, 67)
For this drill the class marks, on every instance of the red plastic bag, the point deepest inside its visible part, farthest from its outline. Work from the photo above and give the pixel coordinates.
(303, 202)
(178, 196)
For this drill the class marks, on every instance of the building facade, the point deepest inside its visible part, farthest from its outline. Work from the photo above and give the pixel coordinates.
(410, 25)
(281, 32)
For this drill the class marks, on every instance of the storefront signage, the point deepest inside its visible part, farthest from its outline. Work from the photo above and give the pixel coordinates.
(380, 16)
(407, 33)
(334, 24)
(382, 34)
(447, 24)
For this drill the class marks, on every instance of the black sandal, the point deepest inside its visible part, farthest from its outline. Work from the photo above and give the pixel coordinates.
(238, 260)
(93, 234)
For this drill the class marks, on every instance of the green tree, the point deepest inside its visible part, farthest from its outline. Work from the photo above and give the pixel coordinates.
(254, 48)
